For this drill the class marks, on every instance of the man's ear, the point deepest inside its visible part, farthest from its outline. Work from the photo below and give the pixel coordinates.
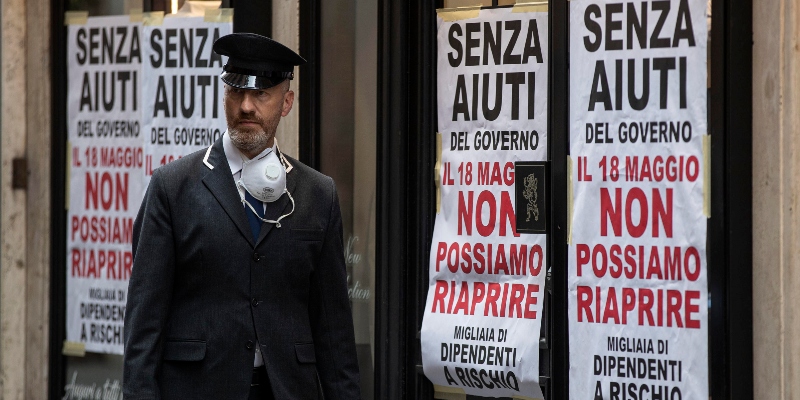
(288, 101)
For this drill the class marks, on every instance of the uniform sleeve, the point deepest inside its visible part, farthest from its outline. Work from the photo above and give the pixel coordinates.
(331, 317)
(149, 293)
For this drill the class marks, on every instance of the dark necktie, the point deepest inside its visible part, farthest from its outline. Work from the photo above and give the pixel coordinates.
(255, 221)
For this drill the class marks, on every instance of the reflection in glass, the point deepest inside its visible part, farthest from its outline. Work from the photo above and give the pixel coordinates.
(104, 7)
(348, 106)
(96, 373)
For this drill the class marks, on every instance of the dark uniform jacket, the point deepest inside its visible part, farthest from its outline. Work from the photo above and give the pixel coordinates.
(202, 294)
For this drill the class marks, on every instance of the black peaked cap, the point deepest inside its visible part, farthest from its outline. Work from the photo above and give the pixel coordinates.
(255, 61)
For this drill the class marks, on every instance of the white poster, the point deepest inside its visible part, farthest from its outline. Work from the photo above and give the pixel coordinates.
(182, 91)
(638, 298)
(104, 75)
(481, 328)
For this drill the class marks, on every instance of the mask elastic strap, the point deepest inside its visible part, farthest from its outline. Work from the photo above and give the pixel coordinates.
(276, 222)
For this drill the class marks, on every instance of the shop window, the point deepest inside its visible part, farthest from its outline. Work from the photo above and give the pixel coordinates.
(104, 7)
(94, 370)
(347, 135)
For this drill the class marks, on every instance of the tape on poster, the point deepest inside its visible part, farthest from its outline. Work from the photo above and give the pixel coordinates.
(136, 15)
(438, 171)
(218, 15)
(469, 3)
(526, 398)
(74, 349)
(76, 17)
(707, 176)
(155, 18)
(533, 6)
(448, 393)
(569, 200)
(459, 13)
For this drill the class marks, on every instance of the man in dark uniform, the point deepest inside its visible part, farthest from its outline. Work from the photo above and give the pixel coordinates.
(238, 288)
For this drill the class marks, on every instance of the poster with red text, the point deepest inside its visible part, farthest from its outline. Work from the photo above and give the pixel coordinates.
(481, 328)
(105, 173)
(182, 93)
(638, 298)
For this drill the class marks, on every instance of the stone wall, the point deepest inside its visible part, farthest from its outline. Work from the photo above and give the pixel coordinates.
(25, 213)
(776, 199)
(286, 29)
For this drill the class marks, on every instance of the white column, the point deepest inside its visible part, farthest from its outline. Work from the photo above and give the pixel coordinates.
(38, 127)
(286, 29)
(776, 199)
(25, 116)
(13, 260)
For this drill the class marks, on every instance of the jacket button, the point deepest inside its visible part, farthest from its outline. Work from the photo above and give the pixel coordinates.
(254, 302)
(256, 257)
(249, 345)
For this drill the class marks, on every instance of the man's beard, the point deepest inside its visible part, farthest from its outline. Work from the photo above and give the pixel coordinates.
(255, 139)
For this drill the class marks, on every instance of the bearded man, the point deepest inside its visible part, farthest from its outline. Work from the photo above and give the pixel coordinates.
(238, 288)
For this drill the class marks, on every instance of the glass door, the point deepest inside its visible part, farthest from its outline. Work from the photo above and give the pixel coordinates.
(347, 146)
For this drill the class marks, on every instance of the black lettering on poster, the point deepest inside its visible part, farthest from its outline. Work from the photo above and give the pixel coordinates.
(476, 44)
(613, 28)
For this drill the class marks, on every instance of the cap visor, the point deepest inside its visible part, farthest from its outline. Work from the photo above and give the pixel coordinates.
(242, 81)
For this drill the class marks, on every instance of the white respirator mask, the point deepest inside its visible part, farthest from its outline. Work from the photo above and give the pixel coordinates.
(265, 179)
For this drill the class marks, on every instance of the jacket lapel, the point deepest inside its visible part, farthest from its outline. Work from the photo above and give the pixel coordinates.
(219, 182)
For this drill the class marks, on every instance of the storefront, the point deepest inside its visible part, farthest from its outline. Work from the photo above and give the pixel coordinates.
(367, 116)
(338, 86)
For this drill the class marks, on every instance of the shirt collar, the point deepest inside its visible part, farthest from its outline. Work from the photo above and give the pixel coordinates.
(235, 157)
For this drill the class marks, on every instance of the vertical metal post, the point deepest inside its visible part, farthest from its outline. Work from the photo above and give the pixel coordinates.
(392, 227)
(422, 117)
(559, 154)
(730, 228)
(310, 26)
(58, 215)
